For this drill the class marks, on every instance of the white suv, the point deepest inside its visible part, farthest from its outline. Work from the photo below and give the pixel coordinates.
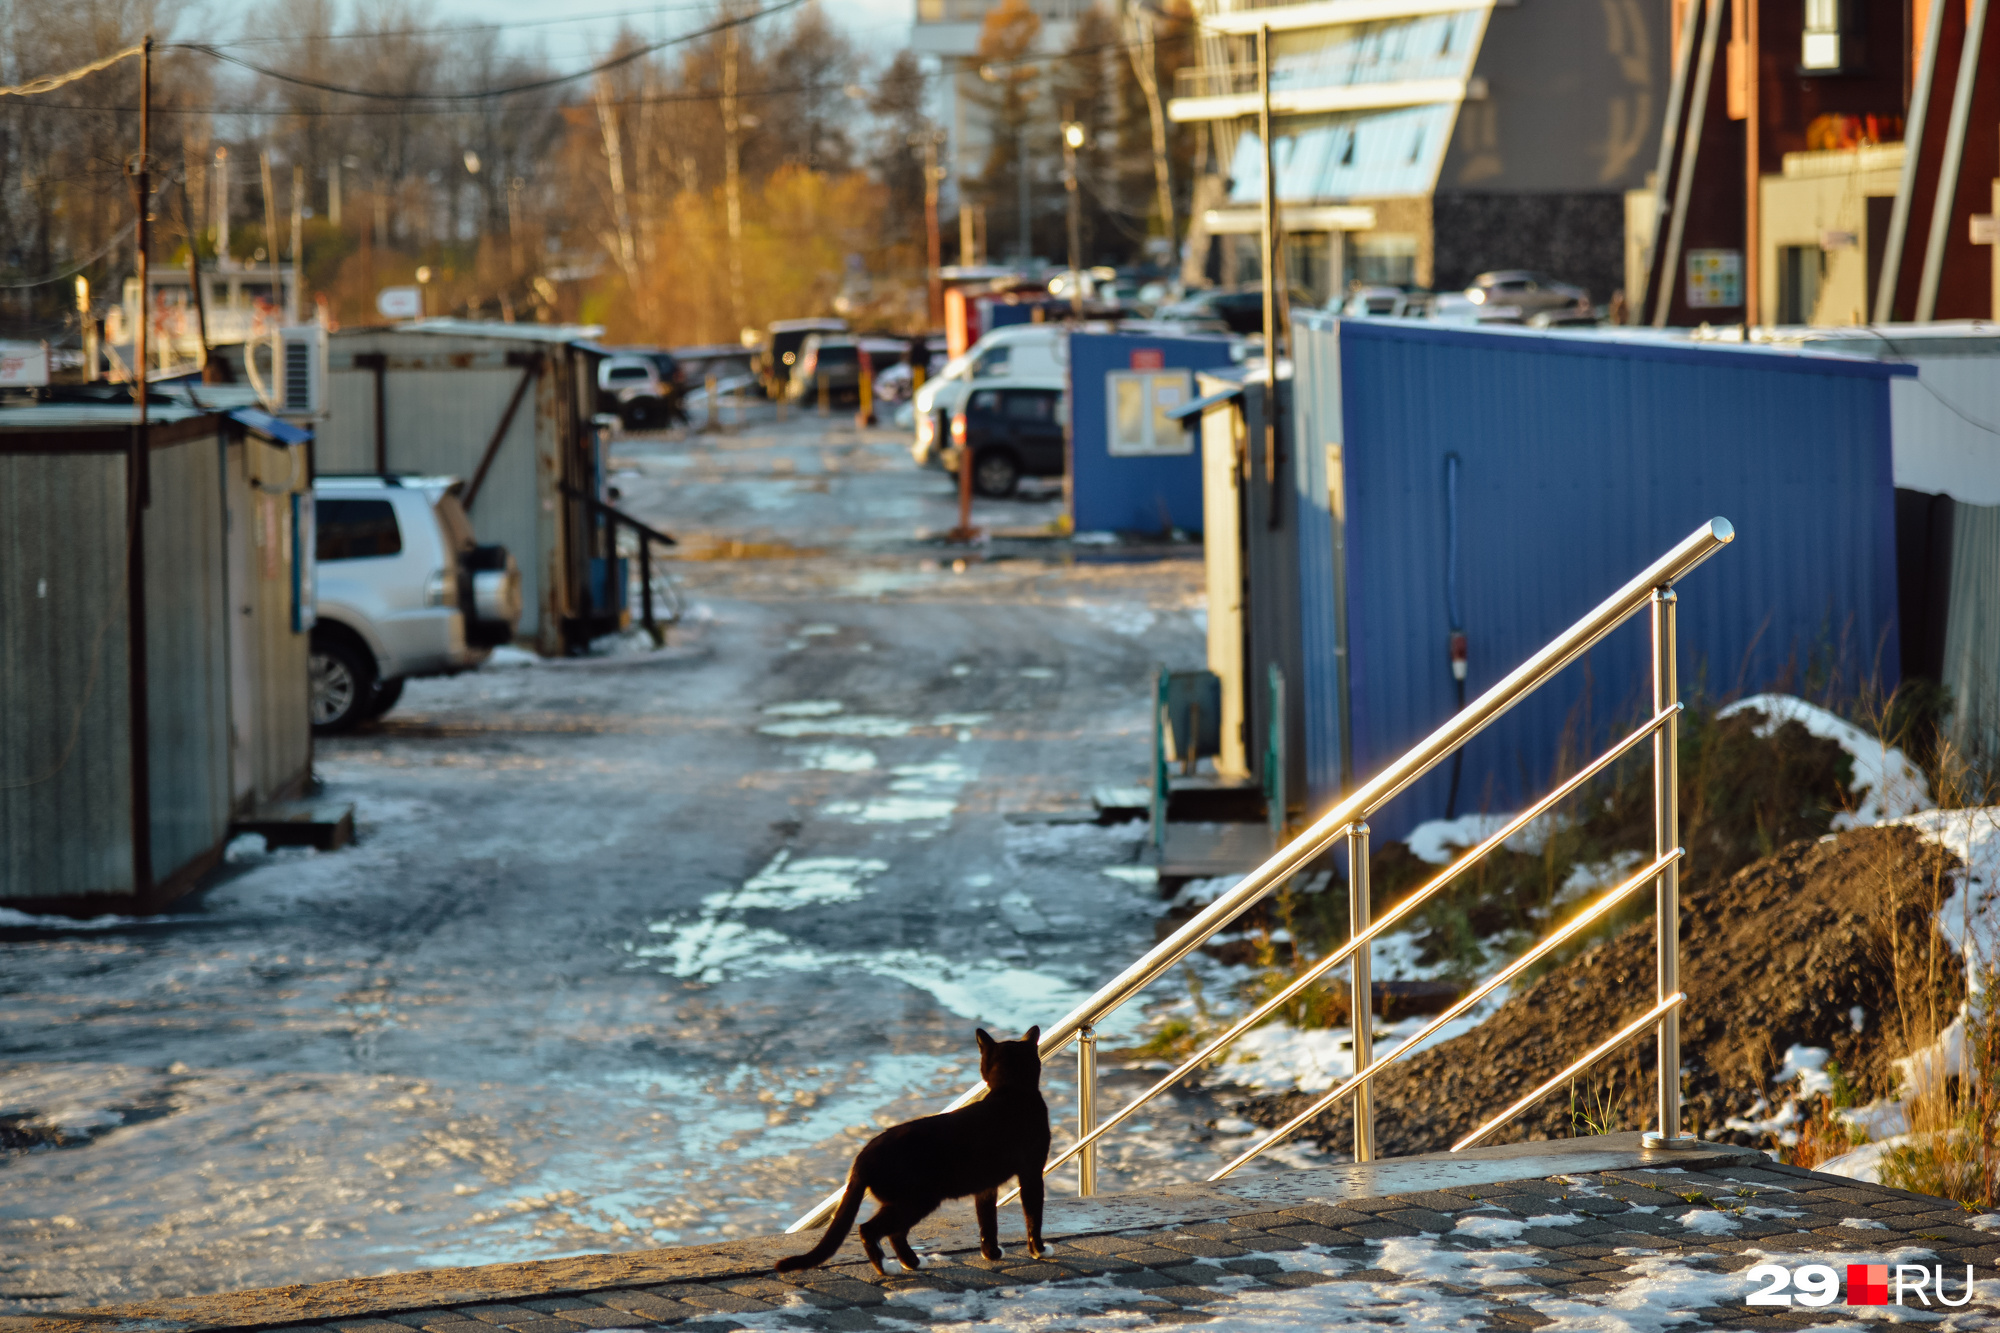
(403, 590)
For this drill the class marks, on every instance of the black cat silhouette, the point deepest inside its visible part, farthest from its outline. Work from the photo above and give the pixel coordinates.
(913, 1167)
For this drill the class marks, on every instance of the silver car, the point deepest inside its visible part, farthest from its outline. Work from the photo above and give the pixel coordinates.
(1525, 292)
(404, 589)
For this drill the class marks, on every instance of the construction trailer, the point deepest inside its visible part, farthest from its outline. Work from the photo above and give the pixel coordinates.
(1445, 500)
(1133, 465)
(153, 645)
(1947, 469)
(511, 408)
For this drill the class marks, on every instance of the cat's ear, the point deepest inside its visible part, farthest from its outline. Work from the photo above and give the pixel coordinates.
(985, 1042)
(1033, 1036)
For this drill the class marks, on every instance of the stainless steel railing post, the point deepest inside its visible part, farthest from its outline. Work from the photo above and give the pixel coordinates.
(1361, 990)
(1667, 837)
(1086, 1109)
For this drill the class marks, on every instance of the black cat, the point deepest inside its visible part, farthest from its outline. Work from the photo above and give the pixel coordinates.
(913, 1167)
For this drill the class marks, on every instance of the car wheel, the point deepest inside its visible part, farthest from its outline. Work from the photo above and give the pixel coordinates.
(342, 677)
(642, 414)
(383, 699)
(995, 474)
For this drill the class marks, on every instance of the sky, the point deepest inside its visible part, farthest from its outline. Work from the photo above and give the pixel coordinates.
(881, 27)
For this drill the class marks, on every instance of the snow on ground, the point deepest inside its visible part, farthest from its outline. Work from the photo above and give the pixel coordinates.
(1886, 784)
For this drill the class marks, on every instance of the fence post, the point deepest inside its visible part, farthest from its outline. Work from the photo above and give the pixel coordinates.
(1666, 837)
(646, 586)
(1361, 990)
(1086, 1108)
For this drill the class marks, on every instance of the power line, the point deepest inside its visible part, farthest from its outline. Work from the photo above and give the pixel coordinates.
(77, 267)
(485, 94)
(654, 99)
(467, 27)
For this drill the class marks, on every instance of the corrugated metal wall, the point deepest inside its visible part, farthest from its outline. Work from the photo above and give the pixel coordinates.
(187, 653)
(64, 761)
(269, 683)
(445, 398)
(1582, 459)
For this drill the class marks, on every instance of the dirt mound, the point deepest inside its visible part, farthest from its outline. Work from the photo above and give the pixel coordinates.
(1781, 953)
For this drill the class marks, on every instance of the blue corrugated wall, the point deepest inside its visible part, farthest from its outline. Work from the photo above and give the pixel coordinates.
(1582, 458)
(1130, 494)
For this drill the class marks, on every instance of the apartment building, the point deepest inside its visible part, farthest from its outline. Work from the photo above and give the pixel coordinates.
(1421, 142)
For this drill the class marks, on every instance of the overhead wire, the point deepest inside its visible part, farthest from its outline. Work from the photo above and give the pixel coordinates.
(117, 239)
(51, 82)
(487, 94)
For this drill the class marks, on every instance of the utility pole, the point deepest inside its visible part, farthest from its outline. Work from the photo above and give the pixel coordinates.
(298, 246)
(222, 206)
(732, 182)
(138, 495)
(1021, 163)
(1146, 68)
(933, 242)
(1073, 136)
(271, 246)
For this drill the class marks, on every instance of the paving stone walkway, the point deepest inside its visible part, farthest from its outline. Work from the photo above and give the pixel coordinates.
(1624, 1241)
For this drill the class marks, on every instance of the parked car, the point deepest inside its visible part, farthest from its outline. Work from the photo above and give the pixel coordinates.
(837, 356)
(1526, 291)
(1008, 434)
(1029, 356)
(1241, 309)
(779, 355)
(725, 361)
(1377, 301)
(643, 386)
(405, 589)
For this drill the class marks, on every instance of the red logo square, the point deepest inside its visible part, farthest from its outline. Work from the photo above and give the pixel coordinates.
(1149, 358)
(1868, 1284)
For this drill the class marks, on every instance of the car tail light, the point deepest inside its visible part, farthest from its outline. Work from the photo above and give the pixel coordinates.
(958, 428)
(441, 589)
(926, 430)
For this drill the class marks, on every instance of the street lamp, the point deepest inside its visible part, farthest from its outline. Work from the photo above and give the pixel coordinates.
(1073, 138)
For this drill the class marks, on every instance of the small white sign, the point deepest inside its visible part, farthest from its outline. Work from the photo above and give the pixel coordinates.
(1838, 240)
(24, 365)
(400, 302)
(1986, 228)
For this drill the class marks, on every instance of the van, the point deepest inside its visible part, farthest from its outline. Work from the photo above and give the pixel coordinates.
(1019, 356)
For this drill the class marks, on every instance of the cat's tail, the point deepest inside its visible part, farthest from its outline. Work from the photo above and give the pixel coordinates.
(837, 1228)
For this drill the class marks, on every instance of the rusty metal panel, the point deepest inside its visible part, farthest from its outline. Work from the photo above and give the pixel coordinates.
(65, 772)
(446, 395)
(187, 654)
(272, 748)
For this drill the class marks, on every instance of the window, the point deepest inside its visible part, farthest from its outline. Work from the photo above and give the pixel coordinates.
(1821, 52)
(356, 529)
(626, 373)
(1140, 401)
(1039, 408)
(1385, 260)
(984, 403)
(1798, 283)
(992, 361)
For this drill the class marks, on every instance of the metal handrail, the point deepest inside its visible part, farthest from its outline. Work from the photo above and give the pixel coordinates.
(1395, 915)
(1651, 586)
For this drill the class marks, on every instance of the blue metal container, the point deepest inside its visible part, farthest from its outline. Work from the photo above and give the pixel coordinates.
(1500, 482)
(1132, 468)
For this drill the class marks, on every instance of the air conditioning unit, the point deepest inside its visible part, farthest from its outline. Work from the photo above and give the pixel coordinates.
(301, 387)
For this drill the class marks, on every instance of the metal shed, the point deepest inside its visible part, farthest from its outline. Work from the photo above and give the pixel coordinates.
(1133, 467)
(150, 689)
(1494, 483)
(510, 408)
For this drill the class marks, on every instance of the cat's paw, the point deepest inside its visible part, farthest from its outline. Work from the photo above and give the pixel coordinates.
(912, 1264)
(1037, 1249)
(992, 1252)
